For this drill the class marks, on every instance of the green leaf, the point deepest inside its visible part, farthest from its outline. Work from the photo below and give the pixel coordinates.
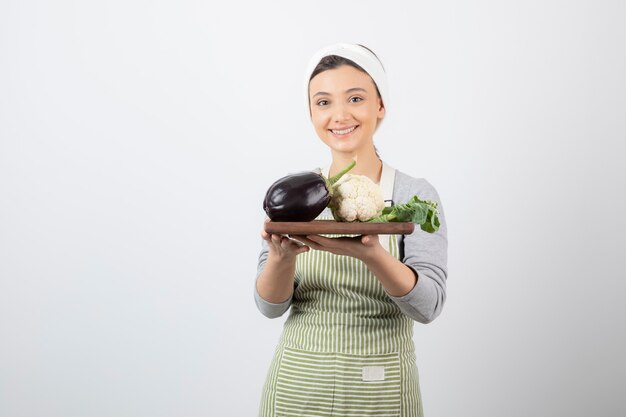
(422, 212)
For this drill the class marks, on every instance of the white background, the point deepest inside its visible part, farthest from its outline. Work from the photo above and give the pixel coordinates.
(137, 139)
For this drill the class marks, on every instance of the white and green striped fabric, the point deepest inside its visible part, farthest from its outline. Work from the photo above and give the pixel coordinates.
(346, 348)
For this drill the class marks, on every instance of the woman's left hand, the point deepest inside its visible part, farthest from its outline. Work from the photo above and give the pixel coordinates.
(360, 247)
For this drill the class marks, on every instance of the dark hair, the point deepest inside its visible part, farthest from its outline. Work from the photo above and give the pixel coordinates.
(334, 61)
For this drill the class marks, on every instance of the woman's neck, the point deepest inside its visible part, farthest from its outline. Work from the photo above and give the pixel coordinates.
(367, 163)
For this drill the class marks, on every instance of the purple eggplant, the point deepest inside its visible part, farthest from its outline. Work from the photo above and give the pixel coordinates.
(300, 197)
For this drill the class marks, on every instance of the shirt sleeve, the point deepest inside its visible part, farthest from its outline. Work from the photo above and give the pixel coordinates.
(270, 310)
(426, 254)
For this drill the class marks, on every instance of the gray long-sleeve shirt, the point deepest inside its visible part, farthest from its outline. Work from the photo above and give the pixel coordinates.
(425, 253)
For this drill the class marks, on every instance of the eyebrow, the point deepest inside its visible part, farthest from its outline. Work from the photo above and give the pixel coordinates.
(349, 90)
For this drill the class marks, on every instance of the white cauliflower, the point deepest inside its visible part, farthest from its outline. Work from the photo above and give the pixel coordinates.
(356, 198)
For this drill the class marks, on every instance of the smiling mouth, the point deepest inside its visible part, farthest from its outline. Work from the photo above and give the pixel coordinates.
(343, 132)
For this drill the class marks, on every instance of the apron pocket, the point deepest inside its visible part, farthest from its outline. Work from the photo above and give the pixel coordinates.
(367, 385)
(305, 383)
(337, 384)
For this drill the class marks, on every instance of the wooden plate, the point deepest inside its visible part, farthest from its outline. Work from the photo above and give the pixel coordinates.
(319, 227)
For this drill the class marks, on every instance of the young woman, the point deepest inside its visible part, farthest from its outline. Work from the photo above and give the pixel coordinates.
(347, 346)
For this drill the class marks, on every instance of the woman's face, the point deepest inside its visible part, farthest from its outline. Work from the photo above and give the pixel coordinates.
(341, 99)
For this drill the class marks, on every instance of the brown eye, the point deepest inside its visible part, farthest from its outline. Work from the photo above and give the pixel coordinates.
(360, 99)
(318, 103)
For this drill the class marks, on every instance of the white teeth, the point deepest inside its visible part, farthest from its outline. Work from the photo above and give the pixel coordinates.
(343, 132)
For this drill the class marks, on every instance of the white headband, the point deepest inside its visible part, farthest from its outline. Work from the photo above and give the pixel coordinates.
(360, 56)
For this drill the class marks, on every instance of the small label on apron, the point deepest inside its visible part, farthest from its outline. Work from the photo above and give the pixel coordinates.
(373, 373)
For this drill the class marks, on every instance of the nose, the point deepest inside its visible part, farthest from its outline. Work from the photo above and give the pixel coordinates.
(341, 112)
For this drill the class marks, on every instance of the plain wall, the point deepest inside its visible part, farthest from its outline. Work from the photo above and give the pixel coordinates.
(138, 138)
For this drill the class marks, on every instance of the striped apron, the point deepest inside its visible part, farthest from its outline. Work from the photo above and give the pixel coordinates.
(346, 348)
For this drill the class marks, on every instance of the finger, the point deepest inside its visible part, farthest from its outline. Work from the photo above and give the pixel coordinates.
(302, 249)
(308, 242)
(276, 240)
(369, 240)
(272, 242)
(295, 248)
(293, 241)
(285, 242)
(330, 242)
(293, 245)
(298, 238)
(305, 240)
(319, 239)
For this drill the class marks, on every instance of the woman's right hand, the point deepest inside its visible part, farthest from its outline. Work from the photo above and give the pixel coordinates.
(276, 281)
(283, 248)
